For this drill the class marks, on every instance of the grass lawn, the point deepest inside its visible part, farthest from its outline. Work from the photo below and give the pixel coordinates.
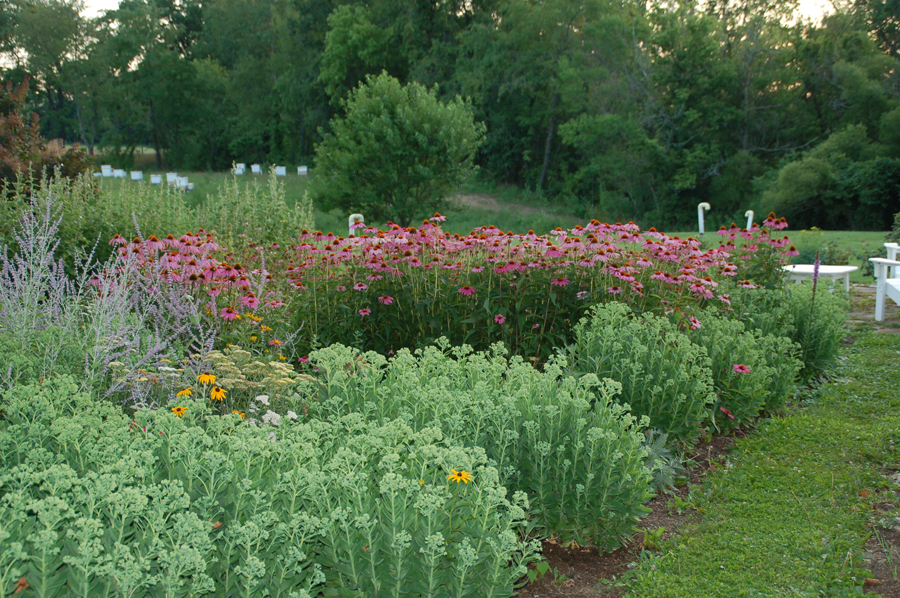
(789, 512)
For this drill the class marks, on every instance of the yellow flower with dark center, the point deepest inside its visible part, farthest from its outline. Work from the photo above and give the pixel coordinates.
(460, 476)
(206, 378)
(236, 412)
(217, 393)
(265, 328)
(183, 393)
(179, 411)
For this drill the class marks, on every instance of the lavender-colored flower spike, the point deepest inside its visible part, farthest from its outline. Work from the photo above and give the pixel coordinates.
(816, 268)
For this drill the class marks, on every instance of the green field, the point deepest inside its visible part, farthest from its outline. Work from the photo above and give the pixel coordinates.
(512, 209)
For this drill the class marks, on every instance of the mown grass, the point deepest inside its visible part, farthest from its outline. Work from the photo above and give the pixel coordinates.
(787, 513)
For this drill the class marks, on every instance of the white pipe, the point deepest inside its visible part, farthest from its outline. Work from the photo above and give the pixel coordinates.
(700, 208)
(354, 218)
(749, 215)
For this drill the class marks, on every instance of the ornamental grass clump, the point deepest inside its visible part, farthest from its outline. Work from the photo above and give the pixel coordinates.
(663, 375)
(564, 441)
(96, 504)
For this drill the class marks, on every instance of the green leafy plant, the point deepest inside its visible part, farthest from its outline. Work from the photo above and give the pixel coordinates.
(95, 503)
(564, 441)
(663, 375)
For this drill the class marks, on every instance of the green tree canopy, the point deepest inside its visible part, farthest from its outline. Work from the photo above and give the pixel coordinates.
(397, 153)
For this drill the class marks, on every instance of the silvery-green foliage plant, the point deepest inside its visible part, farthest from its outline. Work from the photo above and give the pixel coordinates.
(94, 504)
(565, 442)
(744, 368)
(663, 375)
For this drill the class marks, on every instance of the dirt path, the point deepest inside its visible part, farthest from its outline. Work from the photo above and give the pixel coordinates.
(483, 201)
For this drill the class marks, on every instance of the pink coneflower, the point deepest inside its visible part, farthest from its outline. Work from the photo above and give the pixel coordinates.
(360, 286)
(560, 282)
(386, 299)
(371, 277)
(740, 368)
(694, 323)
(438, 218)
(791, 252)
(250, 301)
(275, 304)
(726, 412)
(499, 319)
(214, 291)
(228, 313)
(365, 312)
(725, 299)
(615, 290)
(304, 359)
(477, 269)
(340, 288)
(581, 294)
(466, 290)
(747, 285)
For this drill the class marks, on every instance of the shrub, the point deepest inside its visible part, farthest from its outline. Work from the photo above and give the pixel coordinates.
(744, 376)
(94, 504)
(566, 443)
(663, 375)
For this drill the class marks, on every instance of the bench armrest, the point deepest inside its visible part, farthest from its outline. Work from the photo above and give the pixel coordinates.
(884, 262)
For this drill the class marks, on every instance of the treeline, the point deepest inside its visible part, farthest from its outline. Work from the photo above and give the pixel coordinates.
(620, 109)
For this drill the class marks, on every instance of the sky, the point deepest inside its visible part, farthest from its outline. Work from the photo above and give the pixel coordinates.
(808, 8)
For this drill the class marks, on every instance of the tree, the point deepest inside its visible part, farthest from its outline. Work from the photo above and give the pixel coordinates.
(397, 153)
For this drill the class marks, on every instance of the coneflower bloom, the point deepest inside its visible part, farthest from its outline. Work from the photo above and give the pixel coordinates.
(726, 412)
(250, 300)
(365, 312)
(275, 342)
(694, 323)
(217, 393)
(560, 282)
(466, 290)
(360, 286)
(500, 319)
(386, 299)
(228, 313)
(740, 368)
(615, 290)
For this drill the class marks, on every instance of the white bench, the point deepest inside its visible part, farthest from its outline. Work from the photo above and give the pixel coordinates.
(886, 286)
(801, 272)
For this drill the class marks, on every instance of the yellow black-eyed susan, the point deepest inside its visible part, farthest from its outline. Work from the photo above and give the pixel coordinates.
(206, 378)
(179, 410)
(184, 393)
(241, 413)
(217, 393)
(459, 476)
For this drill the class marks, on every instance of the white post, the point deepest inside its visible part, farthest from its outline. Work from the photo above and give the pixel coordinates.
(700, 208)
(354, 218)
(880, 290)
(749, 215)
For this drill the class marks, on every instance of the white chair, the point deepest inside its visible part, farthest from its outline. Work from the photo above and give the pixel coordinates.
(302, 171)
(255, 169)
(280, 171)
(107, 170)
(137, 175)
(156, 179)
(886, 286)
(892, 250)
